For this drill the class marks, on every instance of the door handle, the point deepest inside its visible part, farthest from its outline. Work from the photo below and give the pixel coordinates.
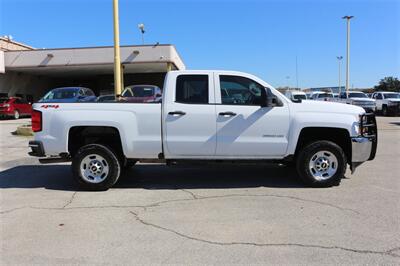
(227, 113)
(177, 113)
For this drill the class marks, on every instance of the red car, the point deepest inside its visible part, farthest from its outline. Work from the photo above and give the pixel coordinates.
(14, 107)
(142, 94)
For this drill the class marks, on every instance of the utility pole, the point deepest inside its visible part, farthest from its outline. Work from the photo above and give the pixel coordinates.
(297, 76)
(117, 57)
(348, 54)
(288, 84)
(340, 61)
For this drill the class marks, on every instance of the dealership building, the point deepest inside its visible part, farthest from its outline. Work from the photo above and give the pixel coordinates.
(29, 73)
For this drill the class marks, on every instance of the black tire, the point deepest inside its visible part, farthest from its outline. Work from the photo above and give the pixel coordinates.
(385, 110)
(110, 160)
(306, 155)
(16, 115)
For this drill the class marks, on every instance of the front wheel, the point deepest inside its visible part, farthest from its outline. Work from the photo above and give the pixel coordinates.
(96, 167)
(16, 114)
(321, 164)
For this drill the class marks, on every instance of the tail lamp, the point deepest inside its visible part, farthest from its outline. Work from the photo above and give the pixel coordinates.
(36, 121)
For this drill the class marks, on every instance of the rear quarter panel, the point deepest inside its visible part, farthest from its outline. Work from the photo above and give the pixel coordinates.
(139, 125)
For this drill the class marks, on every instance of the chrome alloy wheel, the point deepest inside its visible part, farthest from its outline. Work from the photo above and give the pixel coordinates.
(323, 165)
(94, 168)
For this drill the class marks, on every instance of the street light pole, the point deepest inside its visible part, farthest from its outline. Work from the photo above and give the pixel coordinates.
(340, 61)
(348, 54)
(117, 57)
(141, 28)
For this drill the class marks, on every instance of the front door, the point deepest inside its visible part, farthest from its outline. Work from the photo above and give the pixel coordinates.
(189, 119)
(244, 128)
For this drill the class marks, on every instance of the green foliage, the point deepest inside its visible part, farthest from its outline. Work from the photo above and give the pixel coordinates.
(388, 84)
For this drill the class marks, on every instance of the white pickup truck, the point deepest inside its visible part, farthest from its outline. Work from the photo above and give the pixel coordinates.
(358, 98)
(387, 102)
(205, 117)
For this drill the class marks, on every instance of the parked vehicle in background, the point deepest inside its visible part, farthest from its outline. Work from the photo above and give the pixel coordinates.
(106, 98)
(295, 95)
(387, 102)
(69, 95)
(335, 95)
(196, 124)
(358, 98)
(142, 94)
(14, 107)
(322, 96)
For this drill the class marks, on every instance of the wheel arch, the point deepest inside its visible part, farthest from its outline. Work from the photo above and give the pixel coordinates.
(79, 136)
(340, 136)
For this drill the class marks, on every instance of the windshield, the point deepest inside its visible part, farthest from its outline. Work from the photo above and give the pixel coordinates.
(299, 97)
(392, 95)
(4, 100)
(139, 91)
(61, 94)
(325, 95)
(357, 95)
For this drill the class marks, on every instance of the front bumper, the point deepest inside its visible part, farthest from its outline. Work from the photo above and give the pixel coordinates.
(363, 147)
(5, 113)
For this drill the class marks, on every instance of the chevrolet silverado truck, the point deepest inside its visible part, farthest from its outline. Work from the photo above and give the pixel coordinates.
(387, 102)
(205, 117)
(358, 98)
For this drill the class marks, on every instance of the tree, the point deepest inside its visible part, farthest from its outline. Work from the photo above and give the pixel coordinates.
(388, 84)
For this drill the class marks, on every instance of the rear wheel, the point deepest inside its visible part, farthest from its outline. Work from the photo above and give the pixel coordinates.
(321, 164)
(96, 167)
(16, 114)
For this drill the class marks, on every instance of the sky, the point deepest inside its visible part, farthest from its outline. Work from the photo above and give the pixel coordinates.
(263, 38)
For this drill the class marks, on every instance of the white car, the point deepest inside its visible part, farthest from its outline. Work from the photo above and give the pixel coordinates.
(358, 98)
(295, 95)
(207, 117)
(322, 96)
(387, 102)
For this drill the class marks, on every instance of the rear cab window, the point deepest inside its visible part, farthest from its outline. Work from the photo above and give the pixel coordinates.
(192, 89)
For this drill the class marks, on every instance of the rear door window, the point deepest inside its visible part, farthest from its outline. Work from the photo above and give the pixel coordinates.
(192, 89)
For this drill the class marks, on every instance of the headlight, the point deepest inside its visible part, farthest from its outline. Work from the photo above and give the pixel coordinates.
(363, 119)
(356, 129)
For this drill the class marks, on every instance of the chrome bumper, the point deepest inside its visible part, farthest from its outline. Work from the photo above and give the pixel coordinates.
(362, 149)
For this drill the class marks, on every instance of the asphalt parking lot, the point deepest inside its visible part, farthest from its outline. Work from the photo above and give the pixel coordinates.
(233, 215)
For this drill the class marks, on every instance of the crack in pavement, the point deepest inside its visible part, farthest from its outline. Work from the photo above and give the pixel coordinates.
(70, 200)
(389, 252)
(194, 198)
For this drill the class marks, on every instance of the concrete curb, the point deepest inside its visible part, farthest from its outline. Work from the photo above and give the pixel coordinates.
(24, 130)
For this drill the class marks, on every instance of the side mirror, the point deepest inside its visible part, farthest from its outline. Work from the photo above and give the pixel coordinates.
(264, 98)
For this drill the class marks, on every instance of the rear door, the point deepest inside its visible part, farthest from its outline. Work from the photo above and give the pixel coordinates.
(18, 105)
(25, 107)
(244, 128)
(379, 100)
(189, 115)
